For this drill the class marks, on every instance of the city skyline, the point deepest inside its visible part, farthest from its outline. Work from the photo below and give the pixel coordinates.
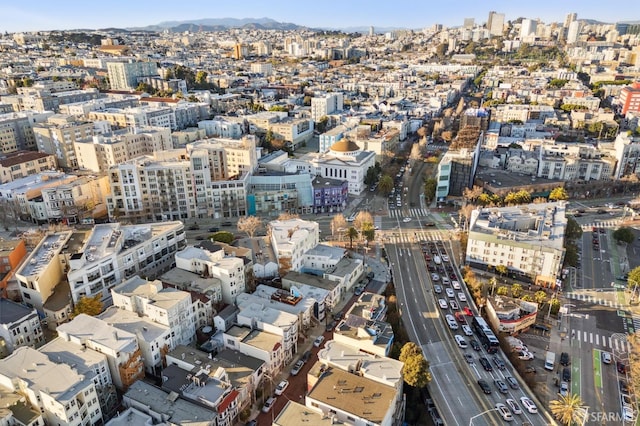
(42, 15)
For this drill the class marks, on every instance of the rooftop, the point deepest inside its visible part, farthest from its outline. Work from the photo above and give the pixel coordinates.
(258, 309)
(83, 360)
(48, 248)
(86, 328)
(357, 328)
(293, 414)
(12, 312)
(131, 417)
(19, 157)
(311, 280)
(131, 322)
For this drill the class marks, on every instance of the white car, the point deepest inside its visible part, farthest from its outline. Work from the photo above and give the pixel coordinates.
(504, 412)
(461, 342)
(437, 289)
(435, 277)
(529, 405)
(462, 297)
(443, 303)
(525, 356)
(281, 387)
(445, 258)
(467, 330)
(268, 405)
(513, 405)
(455, 284)
(318, 341)
(406, 219)
(628, 414)
(450, 293)
(453, 324)
(445, 280)
(564, 388)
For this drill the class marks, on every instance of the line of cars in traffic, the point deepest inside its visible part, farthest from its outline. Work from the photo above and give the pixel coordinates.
(445, 280)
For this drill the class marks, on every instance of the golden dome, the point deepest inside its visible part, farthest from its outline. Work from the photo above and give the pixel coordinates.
(345, 145)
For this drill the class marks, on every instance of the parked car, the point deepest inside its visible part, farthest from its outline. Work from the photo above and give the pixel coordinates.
(564, 358)
(227, 224)
(281, 387)
(331, 325)
(193, 227)
(306, 356)
(269, 403)
(297, 367)
(566, 374)
(214, 229)
(318, 342)
(621, 367)
(564, 388)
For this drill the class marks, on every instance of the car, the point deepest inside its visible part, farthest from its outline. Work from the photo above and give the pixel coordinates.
(525, 355)
(269, 403)
(468, 357)
(437, 289)
(475, 345)
(331, 325)
(513, 406)
(460, 317)
(485, 364)
(502, 386)
(214, 229)
(435, 277)
(467, 311)
(462, 297)
(484, 386)
(504, 412)
(455, 284)
(513, 383)
(297, 367)
(200, 238)
(467, 330)
(602, 231)
(626, 400)
(621, 367)
(430, 224)
(318, 342)
(461, 342)
(193, 227)
(529, 405)
(358, 291)
(445, 258)
(564, 388)
(281, 387)
(564, 359)
(227, 224)
(306, 356)
(450, 293)
(454, 305)
(251, 423)
(427, 257)
(443, 304)
(606, 357)
(371, 275)
(406, 219)
(338, 316)
(446, 281)
(452, 322)
(624, 386)
(628, 414)
(566, 374)
(499, 363)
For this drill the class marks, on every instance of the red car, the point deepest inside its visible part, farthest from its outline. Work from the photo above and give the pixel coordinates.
(467, 311)
(460, 317)
(427, 258)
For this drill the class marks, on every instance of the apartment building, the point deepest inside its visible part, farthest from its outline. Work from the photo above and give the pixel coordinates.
(121, 348)
(627, 152)
(294, 131)
(329, 195)
(331, 136)
(19, 326)
(89, 363)
(114, 252)
(210, 260)
(286, 301)
(125, 75)
(527, 239)
(101, 152)
(143, 116)
(221, 128)
(19, 164)
(16, 130)
(290, 240)
(12, 252)
(456, 172)
(167, 306)
(273, 193)
(58, 135)
(523, 113)
(370, 336)
(64, 396)
(226, 157)
(263, 345)
(630, 98)
(42, 271)
(574, 163)
(70, 202)
(326, 104)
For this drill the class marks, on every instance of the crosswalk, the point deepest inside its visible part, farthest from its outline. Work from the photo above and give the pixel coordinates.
(600, 224)
(401, 213)
(601, 340)
(413, 237)
(584, 297)
(636, 321)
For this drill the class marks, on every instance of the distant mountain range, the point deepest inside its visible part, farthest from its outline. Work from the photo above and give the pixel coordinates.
(220, 24)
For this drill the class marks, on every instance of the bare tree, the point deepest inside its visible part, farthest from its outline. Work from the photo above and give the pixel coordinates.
(338, 225)
(471, 194)
(288, 216)
(361, 219)
(249, 225)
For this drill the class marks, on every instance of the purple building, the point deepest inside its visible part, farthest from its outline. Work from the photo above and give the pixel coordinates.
(329, 195)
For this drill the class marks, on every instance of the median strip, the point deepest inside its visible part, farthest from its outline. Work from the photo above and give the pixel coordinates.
(597, 368)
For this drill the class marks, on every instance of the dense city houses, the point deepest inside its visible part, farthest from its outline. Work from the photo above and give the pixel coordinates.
(114, 145)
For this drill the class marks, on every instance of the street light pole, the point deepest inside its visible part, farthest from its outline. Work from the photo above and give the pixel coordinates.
(481, 414)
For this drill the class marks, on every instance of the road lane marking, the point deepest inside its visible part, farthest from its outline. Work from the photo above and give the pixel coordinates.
(597, 368)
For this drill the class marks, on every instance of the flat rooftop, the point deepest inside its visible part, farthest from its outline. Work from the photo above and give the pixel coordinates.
(49, 247)
(293, 414)
(295, 278)
(62, 351)
(260, 310)
(85, 327)
(11, 312)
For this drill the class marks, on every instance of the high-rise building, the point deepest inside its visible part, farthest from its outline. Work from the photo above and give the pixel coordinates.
(571, 17)
(528, 28)
(495, 23)
(371, 31)
(630, 98)
(574, 32)
(325, 105)
(124, 75)
(469, 22)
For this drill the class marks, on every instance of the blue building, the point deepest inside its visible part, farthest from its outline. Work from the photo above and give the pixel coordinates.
(329, 195)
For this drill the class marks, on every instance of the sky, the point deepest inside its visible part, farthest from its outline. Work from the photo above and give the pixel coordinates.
(43, 15)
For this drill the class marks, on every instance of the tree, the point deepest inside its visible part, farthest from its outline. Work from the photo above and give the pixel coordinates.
(368, 232)
(430, 186)
(634, 277)
(624, 234)
(415, 371)
(634, 362)
(503, 290)
(338, 225)
(568, 409)
(573, 230)
(385, 185)
(249, 224)
(502, 270)
(540, 297)
(516, 290)
(288, 216)
(558, 193)
(351, 234)
(472, 194)
(201, 77)
(91, 306)
(371, 176)
(362, 219)
(223, 237)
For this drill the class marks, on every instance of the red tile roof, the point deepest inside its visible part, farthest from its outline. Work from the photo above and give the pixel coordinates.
(222, 407)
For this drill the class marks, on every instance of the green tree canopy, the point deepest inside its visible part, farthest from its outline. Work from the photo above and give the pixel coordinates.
(558, 193)
(624, 234)
(634, 277)
(352, 233)
(573, 230)
(91, 306)
(385, 185)
(430, 186)
(223, 237)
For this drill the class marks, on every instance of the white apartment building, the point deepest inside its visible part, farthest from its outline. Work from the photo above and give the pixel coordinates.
(220, 128)
(259, 344)
(294, 131)
(42, 271)
(143, 116)
(64, 396)
(627, 149)
(527, 239)
(524, 113)
(19, 326)
(103, 151)
(114, 252)
(592, 103)
(212, 262)
(264, 68)
(227, 157)
(58, 135)
(120, 347)
(124, 75)
(290, 240)
(154, 339)
(326, 104)
(290, 301)
(167, 306)
(574, 163)
(70, 202)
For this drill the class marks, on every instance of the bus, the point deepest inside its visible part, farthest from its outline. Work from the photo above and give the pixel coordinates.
(488, 340)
